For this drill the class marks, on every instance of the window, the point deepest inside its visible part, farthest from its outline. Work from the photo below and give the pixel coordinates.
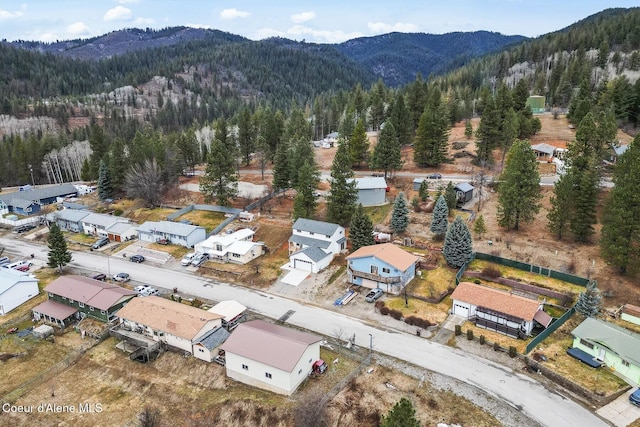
(236, 255)
(374, 269)
(81, 304)
(267, 374)
(71, 301)
(90, 308)
(245, 367)
(201, 350)
(64, 298)
(625, 363)
(50, 295)
(300, 371)
(586, 343)
(386, 270)
(103, 312)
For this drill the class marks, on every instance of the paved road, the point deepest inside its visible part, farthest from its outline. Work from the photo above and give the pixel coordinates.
(520, 391)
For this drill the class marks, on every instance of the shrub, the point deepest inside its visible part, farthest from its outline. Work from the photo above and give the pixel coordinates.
(396, 314)
(469, 334)
(491, 272)
(423, 323)
(477, 281)
(118, 212)
(411, 320)
(496, 346)
(384, 310)
(482, 339)
(196, 303)
(459, 145)
(512, 351)
(379, 304)
(458, 330)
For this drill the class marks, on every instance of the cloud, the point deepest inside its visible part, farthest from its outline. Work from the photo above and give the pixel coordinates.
(381, 27)
(6, 15)
(299, 18)
(118, 13)
(323, 36)
(77, 29)
(233, 14)
(144, 21)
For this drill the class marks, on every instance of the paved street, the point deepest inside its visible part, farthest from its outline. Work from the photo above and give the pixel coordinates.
(547, 407)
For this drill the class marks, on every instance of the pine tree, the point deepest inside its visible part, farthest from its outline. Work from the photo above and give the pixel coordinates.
(306, 200)
(488, 133)
(479, 227)
(585, 190)
(400, 117)
(589, 301)
(561, 209)
(451, 196)
(361, 230)
(439, 221)
(401, 415)
(458, 245)
(358, 144)
(423, 191)
(341, 200)
(400, 214)
(432, 135)
(468, 129)
(281, 175)
(519, 190)
(85, 172)
(220, 180)
(104, 182)
(386, 153)
(59, 255)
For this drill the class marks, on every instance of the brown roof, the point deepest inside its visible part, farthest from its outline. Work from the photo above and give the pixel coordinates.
(168, 316)
(95, 293)
(631, 309)
(54, 309)
(270, 344)
(497, 300)
(387, 252)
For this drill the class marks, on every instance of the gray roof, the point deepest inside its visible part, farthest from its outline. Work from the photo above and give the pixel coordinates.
(72, 205)
(214, 338)
(326, 228)
(102, 220)
(544, 148)
(21, 203)
(168, 227)
(37, 194)
(464, 187)
(314, 253)
(119, 227)
(10, 277)
(71, 215)
(370, 183)
(620, 149)
(309, 241)
(619, 340)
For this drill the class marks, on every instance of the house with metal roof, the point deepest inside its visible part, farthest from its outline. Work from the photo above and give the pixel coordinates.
(16, 288)
(69, 219)
(313, 244)
(232, 313)
(609, 344)
(96, 224)
(175, 325)
(497, 310)
(384, 266)
(372, 191)
(269, 356)
(177, 233)
(76, 297)
(30, 200)
(122, 231)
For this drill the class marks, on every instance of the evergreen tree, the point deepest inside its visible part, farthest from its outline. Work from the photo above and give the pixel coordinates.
(361, 230)
(400, 118)
(488, 134)
(59, 255)
(246, 134)
(401, 415)
(519, 190)
(386, 153)
(439, 221)
(621, 214)
(220, 180)
(583, 218)
(458, 245)
(468, 129)
(85, 172)
(358, 144)
(423, 191)
(451, 196)
(301, 152)
(479, 227)
(432, 136)
(104, 182)
(281, 173)
(118, 164)
(341, 200)
(306, 200)
(561, 210)
(589, 301)
(400, 214)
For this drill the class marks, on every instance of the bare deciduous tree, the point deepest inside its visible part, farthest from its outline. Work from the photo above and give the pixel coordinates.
(144, 181)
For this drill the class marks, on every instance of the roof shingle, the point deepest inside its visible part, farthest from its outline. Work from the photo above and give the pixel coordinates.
(496, 300)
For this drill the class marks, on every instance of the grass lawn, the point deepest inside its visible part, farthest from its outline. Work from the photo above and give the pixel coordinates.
(415, 307)
(206, 219)
(80, 238)
(378, 213)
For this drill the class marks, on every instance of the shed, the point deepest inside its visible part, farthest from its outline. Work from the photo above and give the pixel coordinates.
(464, 192)
(371, 190)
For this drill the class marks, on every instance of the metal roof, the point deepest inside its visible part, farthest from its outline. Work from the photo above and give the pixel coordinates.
(314, 253)
(37, 194)
(214, 338)
(369, 183)
(309, 241)
(10, 277)
(72, 215)
(168, 227)
(619, 340)
(320, 227)
(464, 187)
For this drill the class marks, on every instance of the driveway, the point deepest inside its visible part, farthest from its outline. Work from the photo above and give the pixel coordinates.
(620, 412)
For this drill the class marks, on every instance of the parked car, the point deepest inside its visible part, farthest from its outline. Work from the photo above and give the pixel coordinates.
(162, 241)
(122, 277)
(22, 265)
(434, 176)
(23, 228)
(198, 260)
(136, 258)
(4, 260)
(139, 289)
(100, 243)
(186, 260)
(373, 295)
(635, 397)
(149, 291)
(102, 277)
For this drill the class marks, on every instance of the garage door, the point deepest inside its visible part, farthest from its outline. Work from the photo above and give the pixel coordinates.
(368, 283)
(461, 310)
(301, 264)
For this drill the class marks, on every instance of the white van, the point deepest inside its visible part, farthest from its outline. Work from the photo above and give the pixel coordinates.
(18, 264)
(186, 260)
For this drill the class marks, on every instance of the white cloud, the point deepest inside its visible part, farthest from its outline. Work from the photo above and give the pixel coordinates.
(323, 36)
(77, 29)
(117, 13)
(144, 21)
(299, 18)
(381, 27)
(233, 14)
(6, 15)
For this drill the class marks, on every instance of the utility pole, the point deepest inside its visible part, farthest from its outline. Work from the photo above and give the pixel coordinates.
(370, 347)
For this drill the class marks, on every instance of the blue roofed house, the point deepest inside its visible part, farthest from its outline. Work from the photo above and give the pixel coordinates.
(176, 233)
(30, 200)
(606, 343)
(313, 244)
(372, 191)
(384, 266)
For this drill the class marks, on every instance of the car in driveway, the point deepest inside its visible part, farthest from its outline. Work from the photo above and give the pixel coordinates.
(199, 260)
(102, 277)
(373, 295)
(100, 243)
(23, 228)
(122, 277)
(634, 397)
(434, 176)
(136, 258)
(149, 291)
(186, 260)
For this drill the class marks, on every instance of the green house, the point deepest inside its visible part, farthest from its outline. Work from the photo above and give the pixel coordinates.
(615, 347)
(76, 297)
(536, 103)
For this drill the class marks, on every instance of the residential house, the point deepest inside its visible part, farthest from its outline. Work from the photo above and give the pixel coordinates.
(332, 138)
(176, 233)
(498, 310)
(232, 313)
(77, 297)
(69, 219)
(544, 152)
(16, 288)
(384, 266)
(85, 189)
(270, 357)
(372, 191)
(182, 327)
(122, 231)
(631, 313)
(617, 151)
(313, 244)
(237, 247)
(96, 224)
(464, 192)
(30, 200)
(606, 343)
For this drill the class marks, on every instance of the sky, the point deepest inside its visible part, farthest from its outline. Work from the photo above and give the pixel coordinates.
(327, 21)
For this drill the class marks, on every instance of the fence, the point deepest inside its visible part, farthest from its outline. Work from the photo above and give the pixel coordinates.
(263, 200)
(210, 208)
(549, 330)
